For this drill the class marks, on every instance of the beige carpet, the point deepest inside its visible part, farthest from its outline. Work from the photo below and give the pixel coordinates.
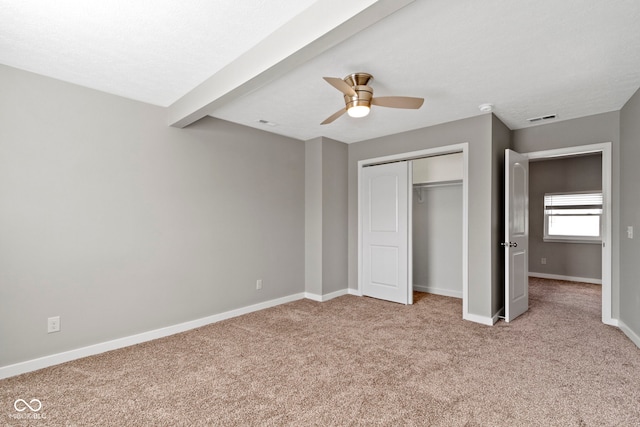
(358, 361)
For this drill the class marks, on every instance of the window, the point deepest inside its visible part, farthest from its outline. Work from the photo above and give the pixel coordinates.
(573, 217)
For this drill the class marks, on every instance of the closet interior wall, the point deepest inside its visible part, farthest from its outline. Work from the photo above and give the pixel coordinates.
(437, 225)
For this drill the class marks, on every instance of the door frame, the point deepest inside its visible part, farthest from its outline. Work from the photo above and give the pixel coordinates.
(607, 168)
(412, 155)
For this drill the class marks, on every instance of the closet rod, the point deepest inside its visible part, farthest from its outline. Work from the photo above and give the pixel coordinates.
(437, 183)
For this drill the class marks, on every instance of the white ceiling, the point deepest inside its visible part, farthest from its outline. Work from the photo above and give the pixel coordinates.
(529, 58)
(148, 50)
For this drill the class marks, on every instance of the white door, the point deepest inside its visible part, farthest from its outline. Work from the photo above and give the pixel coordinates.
(385, 208)
(516, 245)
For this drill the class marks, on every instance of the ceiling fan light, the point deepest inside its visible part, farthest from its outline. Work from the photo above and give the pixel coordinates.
(358, 111)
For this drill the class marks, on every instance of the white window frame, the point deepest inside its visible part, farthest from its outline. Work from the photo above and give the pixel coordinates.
(571, 238)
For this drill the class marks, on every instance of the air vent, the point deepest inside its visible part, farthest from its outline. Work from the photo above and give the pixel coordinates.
(541, 118)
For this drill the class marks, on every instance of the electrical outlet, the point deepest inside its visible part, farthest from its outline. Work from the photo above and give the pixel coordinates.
(630, 232)
(543, 261)
(53, 324)
(259, 284)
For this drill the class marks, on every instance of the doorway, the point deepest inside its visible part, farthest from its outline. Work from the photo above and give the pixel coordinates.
(606, 166)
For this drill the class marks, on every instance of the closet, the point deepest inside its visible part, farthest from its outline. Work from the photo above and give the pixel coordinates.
(437, 224)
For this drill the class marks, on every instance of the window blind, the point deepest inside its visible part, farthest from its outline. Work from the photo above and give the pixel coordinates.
(572, 204)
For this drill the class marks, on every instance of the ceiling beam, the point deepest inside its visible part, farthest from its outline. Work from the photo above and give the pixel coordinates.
(323, 25)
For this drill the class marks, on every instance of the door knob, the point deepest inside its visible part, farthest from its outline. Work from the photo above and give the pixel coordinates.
(509, 244)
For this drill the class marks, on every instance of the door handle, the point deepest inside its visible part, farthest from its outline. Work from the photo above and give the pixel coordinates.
(509, 244)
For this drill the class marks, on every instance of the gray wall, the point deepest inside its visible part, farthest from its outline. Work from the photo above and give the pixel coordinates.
(582, 173)
(630, 214)
(121, 224)
(437, 239)
(326, 216)
(334, 216)
(582, 131)
(477, 132)
(313, 216)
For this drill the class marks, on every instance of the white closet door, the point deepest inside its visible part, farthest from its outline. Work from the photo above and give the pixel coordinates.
(384, 201)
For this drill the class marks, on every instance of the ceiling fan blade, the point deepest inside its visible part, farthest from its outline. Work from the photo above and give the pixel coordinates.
(334, 116)
(398, 102)
(340, 85)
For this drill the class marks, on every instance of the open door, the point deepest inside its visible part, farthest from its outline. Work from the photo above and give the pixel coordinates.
(385, 208)
(516, 245)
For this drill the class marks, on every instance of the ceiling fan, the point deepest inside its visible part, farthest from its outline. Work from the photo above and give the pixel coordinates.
(358, 97)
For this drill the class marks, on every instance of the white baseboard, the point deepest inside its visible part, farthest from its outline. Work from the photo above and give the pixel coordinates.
(313, 297)
(438, 291)
(496, 316)
(56, 359)
(326, 297)
(489, 321)
(354, 292)
(567, 278)
(629, 333)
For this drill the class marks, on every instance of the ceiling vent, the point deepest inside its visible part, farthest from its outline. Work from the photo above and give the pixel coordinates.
(542, 118)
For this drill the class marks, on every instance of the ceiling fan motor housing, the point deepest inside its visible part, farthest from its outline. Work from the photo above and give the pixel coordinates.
(364, 93)
(363, 97)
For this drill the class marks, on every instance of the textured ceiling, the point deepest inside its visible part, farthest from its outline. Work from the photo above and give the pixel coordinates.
(148, 50)
(571, 58)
